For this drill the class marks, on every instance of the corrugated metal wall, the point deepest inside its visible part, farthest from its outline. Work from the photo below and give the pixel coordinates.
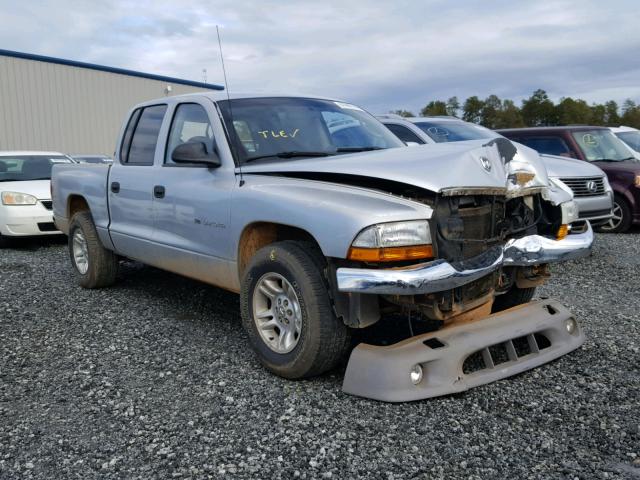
(46, 106)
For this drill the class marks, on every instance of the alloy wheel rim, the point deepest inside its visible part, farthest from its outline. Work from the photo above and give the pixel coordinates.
(616, 219)
(276, 313)
(80, 252)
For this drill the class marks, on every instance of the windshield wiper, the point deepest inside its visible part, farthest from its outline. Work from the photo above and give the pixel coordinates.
(290, 154)
(358, 149)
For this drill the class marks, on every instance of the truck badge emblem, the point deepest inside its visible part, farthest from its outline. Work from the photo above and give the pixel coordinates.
(486, 164)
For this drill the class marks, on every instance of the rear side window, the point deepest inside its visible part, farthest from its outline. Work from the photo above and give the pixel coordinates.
(548, 145)
(141, 147)
(403, 133)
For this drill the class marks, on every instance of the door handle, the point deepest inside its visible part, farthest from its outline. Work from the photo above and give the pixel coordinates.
(158, 191)
(115, 187)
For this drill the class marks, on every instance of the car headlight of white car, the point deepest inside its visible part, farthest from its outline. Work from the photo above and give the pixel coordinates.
(394, 241)
(17, 198)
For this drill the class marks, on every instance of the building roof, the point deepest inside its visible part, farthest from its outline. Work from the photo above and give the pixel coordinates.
(103, 68)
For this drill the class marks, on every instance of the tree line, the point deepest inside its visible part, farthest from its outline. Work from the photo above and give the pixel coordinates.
(536, 111)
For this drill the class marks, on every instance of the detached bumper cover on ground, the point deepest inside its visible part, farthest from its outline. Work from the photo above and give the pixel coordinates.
(464, 356)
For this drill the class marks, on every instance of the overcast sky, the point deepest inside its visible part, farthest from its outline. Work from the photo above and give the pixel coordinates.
(382, 55)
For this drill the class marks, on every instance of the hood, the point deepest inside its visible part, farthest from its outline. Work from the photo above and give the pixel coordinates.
(479, 164)
(630, 166)
(569, 167)
(41, 189)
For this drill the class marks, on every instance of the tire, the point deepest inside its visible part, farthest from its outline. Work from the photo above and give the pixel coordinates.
(322, 339)
(101, 265)
(618, 225)
(513, 297)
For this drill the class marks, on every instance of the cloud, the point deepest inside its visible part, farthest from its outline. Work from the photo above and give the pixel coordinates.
(382, 55)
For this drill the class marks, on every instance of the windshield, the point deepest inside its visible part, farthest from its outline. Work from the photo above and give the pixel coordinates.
(601, 145)
(454, 131)
(280, 127)
(630, 138)
(28, 167)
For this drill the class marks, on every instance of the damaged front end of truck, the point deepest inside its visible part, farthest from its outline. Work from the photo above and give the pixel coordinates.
(487, 241)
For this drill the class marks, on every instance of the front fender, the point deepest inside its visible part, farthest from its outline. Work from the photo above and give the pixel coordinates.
(333, 214)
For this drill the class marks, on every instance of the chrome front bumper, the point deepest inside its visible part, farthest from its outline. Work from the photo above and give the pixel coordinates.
(439, 275)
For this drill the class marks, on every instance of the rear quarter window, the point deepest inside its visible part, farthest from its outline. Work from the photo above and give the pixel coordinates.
(142, 143)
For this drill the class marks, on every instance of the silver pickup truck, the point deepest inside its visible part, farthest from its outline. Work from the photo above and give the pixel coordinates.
(309, 209)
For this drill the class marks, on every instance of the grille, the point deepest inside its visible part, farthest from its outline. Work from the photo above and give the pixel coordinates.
(507, 352)
(581, 186)
(48, 204)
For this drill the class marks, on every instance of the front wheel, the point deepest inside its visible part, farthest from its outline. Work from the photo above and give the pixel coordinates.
(287, 312)
(95, 266)
(621, 220)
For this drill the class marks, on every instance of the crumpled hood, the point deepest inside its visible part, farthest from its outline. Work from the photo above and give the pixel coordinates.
(569, 167)
(471, 164)
(38, 188)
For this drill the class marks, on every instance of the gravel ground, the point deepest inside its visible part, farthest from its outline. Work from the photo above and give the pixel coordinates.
(153, 379)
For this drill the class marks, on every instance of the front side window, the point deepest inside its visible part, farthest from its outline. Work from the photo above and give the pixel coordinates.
(403, 133)
(548, 145)
(630, 138)
(28, 167)
(145, 136)
(454, 131)
(601, 145)
(190, 124)
(277, 128)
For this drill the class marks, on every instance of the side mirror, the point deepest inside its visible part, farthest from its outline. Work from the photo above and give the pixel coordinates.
(195, 152)
(412, 144)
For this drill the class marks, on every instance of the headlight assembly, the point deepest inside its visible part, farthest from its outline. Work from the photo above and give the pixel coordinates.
(396, 241)
(17, 198)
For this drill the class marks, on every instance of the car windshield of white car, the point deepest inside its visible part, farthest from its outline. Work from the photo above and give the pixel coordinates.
(281, 128)
(454, 131)
(17, 168)
(630, 138)
(601, 145)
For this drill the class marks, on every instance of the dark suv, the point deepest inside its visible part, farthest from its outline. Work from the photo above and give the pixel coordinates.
(603, 148)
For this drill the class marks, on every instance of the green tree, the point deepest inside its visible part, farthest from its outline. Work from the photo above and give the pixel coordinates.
(509, 116)
(598, 114)
(453, 106)
(630, 114)
(472, 110)
(403, 113)
(434, 107)
(612, 117)
(538, 110)
(490, 112)
(572, 112)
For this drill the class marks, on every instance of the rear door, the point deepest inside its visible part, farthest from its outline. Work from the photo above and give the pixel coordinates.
(131, 182)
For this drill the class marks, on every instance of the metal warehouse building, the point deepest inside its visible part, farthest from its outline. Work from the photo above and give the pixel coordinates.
(73, 107)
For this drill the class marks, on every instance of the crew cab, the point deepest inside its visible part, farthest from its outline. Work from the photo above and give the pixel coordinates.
(324, 223)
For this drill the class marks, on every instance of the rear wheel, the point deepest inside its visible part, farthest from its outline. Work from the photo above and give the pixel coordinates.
(287, 312)
(621, 220)
(513, 297)
(5, 242)
(95, 266)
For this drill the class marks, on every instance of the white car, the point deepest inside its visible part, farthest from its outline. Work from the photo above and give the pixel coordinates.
(630, 136)
(25, 196)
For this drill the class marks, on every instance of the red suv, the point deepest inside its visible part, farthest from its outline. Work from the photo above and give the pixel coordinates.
(604, 149)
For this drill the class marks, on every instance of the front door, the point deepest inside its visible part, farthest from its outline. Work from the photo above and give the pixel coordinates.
(192, 218)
